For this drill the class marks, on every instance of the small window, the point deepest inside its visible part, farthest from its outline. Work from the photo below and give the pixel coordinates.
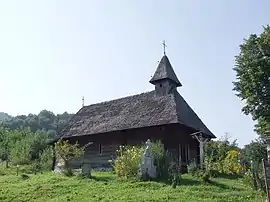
(160, 85)
(100, 149)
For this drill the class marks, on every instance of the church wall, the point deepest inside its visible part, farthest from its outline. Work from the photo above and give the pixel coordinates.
(104, 146)
(100, 152)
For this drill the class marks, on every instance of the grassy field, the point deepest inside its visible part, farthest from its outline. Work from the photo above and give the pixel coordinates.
(105, 187)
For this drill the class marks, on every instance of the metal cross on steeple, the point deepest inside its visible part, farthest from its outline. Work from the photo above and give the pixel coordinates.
(164, 47)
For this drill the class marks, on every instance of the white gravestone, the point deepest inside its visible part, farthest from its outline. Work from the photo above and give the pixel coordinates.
(59, 166)
(147, 167)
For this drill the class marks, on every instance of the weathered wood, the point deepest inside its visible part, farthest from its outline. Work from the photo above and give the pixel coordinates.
(255, 185)
(171, 135)
(266, 174)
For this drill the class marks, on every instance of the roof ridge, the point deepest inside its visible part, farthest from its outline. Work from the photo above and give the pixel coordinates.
(117, 99)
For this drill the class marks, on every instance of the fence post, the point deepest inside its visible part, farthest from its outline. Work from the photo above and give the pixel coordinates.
(253, 175)
(266, 169)
(265, 175)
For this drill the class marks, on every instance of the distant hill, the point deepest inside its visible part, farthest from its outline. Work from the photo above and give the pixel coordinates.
(4, 116)
(44, 121)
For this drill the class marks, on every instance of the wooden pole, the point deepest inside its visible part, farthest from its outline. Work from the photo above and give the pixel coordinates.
(17, 170)
(253, 175)
(265, 181)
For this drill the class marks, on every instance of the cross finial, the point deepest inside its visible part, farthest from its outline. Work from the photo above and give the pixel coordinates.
(83, 101)
(164, 47)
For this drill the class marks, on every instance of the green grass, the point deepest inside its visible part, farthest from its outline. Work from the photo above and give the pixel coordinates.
(105, 187)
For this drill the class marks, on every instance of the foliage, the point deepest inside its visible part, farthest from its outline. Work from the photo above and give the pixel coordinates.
(253, 78)
(204, 175)
(158, 151)
(20, 153)
(4, 116)
(21, 146)
(192, 168)
(216, 152)
(128, 159)
(106, 187)
(258, 177)
(46, 159)
(176, 180)
(232, 164)
(195, 171)
(163, 161)
(254, 151)
(248, 178)
(67, 152)
(45, 122)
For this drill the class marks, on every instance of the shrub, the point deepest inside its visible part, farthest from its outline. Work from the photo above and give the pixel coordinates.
(46, 159)
(20, 152)
(192, 168)
(232, 164)
(204, 175)
(214, 173)
(66, 151)
(247, 178)
(128, 159)
(163, 161)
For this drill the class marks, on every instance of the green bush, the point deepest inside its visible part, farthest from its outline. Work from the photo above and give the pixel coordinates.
(192, 168)
(176, 180)
(231, 163)
(128, 159)
(67, 152)
(21, 147)
(214, 173)
(204, 175)
(247, 178)
(20, 152)
(46, 159)
(163, 161)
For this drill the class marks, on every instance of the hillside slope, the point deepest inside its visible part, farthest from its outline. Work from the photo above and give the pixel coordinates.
(104, 187)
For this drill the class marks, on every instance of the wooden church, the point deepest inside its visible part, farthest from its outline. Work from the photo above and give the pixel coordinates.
(161, 114)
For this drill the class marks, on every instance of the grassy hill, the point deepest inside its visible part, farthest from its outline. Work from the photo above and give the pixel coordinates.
(105, 187)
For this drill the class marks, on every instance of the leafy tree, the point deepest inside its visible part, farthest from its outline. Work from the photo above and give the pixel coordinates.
(254, 151)
(217, 151)
(45, 121)
(21, 146)
(4, 116)
(67, 152)
(252, 67)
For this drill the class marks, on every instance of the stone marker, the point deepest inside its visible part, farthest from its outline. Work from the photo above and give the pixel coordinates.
(59, 165)
(147, 167)
(86, 169)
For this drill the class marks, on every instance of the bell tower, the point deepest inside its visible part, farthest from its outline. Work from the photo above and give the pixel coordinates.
(165, 79)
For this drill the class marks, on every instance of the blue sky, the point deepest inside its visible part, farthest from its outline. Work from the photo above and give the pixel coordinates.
(54, 52)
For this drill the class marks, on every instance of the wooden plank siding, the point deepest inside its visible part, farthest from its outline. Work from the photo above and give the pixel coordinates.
(176, 139)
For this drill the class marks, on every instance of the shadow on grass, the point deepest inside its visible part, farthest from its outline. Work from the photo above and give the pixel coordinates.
(223, 186)
(189, 182)
(228, 176)
(102, 178)
(183, 181)
(98, 178)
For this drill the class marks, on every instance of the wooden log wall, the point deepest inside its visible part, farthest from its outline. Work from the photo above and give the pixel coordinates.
(171, 136)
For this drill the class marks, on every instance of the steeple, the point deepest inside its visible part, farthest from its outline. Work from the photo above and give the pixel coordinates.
(165, 79)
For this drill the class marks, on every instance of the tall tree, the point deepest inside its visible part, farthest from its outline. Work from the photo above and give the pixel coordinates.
(252, 67)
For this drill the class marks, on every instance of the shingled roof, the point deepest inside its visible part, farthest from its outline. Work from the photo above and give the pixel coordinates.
(137, 111)
(165, 71)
